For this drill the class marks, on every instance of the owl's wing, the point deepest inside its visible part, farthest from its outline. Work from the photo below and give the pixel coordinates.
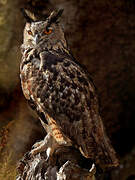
(68, 95)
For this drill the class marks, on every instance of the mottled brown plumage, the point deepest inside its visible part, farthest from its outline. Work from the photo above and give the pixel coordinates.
(60, 90)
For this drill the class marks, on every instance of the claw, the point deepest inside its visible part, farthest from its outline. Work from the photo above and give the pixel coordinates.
(30, 154)
(92, 170)
(47, 160)
(37, 144)
(35, 151)
(48, 152)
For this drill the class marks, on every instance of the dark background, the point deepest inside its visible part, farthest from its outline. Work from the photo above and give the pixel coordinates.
(101, 35)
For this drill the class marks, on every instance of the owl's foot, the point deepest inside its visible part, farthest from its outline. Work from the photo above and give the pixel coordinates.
(38, 147)
(48, 145)
(41, 146)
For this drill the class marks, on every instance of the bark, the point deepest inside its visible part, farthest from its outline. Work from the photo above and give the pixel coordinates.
(64, 165)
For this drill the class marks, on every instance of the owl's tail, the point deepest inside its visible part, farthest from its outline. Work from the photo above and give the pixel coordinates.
(106, 155)
(97, 146)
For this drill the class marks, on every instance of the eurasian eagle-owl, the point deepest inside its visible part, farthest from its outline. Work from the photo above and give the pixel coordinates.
(62, 93)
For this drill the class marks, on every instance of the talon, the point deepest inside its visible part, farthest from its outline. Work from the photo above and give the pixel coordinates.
(92, 170)
(33, 152)
(37, 144)
(48, 152)
(47, 160)
(29, 155)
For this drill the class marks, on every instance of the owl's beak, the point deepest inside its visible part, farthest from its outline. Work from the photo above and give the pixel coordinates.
(36, 39)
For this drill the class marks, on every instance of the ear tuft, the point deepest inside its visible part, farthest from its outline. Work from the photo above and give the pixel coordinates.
(29, 16)
(54, 16)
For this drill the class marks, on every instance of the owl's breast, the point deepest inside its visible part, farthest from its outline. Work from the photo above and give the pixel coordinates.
(26, 80)
(57, 84)
(34, 79)
(28, 73)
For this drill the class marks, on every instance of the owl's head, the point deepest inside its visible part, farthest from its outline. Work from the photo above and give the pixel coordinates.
(47, 33)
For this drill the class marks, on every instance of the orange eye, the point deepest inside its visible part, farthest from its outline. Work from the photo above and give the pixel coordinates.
(48, 31)
(29, 32)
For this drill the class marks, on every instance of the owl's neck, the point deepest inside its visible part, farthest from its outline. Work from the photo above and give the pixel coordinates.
(47, 46)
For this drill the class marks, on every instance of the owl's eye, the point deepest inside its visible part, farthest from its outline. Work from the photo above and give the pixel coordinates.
(48, 31)
(29, 32)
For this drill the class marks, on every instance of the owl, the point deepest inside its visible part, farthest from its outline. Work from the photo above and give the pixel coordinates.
(61, 92)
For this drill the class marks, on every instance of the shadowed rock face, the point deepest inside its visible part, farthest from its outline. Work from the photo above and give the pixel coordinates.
(100, 35)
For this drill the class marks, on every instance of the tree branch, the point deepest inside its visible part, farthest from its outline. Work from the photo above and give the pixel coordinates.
(66, 164)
